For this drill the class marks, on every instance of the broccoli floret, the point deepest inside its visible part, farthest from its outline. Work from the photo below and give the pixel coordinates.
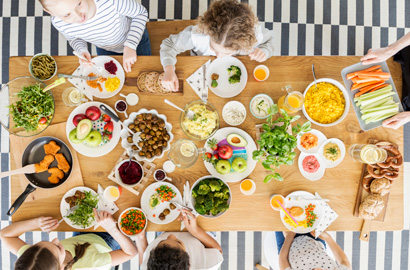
(223, 207)
(205, 181)
(203, 189)
(226, 196)
(200, 208)
(208, 203)
(200, 199)
(195, 192)
(214, 211)
(224, 189)
(234, 70)
(234, 79)
(219, 195)
(218, 201)
(214, 185)
(210, 195)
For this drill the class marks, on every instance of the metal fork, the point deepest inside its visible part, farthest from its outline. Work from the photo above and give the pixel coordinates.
(70, 211)
(181, 206)
(205, 88)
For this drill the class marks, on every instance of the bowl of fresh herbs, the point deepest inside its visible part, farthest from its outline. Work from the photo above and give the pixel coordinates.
(25, 109)
(278, 142)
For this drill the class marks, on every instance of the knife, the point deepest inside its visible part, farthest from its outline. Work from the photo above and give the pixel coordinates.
(87, 78)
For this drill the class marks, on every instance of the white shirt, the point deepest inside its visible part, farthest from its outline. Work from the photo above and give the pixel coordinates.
(199, 44)
(200, 258)
(116, 23)
(306, 253)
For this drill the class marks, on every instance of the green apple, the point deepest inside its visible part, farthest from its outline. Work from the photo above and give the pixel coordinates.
(223, 166)
(239, 165)
(73, 136)
(94, 138)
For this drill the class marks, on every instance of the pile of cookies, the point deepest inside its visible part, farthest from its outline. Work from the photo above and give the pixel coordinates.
(150, 82)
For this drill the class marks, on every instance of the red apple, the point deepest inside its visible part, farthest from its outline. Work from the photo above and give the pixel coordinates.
(78, 117)
(93, 113)
(225, 152)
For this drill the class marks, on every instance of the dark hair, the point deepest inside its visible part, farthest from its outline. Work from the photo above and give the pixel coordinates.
(41, 258)
(229, 23)
(166, 257)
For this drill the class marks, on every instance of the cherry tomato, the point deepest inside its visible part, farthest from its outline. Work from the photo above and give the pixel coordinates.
(43, 120)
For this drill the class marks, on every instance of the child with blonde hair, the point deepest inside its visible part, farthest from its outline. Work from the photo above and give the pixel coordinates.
(115, 27)
(227, 28)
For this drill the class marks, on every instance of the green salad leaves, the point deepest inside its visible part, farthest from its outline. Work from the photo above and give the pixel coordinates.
(84, 215)
(34, 107)
(276, 145)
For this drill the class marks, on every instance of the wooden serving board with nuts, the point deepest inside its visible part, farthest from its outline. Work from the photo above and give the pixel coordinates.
(374, 189)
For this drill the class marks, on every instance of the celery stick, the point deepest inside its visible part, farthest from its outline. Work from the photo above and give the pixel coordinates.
(388, 101)
(379, 108)
(375, 119)
(375, 93)
(378, 113)
(369, 101)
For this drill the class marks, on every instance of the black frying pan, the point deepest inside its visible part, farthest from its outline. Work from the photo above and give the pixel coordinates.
(34, 153)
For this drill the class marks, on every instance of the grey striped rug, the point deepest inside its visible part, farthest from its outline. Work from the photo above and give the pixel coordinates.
(301, 27)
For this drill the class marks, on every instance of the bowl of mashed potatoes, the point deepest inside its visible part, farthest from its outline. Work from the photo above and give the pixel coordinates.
(327, 104)
(205, 122)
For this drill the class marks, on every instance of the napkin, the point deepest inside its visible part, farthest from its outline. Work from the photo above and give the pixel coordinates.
(328, 216)
(196, 80)
(186, 200)
(81, 84)
(108, 206)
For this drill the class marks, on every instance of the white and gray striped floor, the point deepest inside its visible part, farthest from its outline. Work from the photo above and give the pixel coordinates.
(301, 27)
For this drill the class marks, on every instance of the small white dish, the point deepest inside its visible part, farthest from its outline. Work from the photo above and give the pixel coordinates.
(263, 67)
(121, 111)
(132, 99)
(168, 166)
(250, 191)
(234, 109)
(123, 212)
(321, 139)
(342, 147)
(108, 194)
(312, 176)
(254, 99)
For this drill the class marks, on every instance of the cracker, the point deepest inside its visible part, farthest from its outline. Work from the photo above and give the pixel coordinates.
(162, 89)
(141, 82)
(151, 81)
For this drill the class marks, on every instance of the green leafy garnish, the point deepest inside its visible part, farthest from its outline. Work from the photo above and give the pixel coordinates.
(84, 215)
(332, 150)
(276, 145)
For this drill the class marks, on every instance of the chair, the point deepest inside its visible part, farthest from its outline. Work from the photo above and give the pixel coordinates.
(271, 250)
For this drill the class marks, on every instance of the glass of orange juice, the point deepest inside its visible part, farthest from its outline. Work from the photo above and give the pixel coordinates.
(292, 102)
(273, 201)
(261, 73)
(248, 187)
(112, 193)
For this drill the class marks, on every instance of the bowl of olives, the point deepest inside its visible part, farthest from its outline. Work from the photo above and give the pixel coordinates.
(154, 135)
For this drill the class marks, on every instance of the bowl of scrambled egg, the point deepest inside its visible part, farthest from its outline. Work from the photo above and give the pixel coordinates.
(327, 104)
(205, 122)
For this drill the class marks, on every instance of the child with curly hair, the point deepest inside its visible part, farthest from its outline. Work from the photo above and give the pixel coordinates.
(227, 28)
(115, 27)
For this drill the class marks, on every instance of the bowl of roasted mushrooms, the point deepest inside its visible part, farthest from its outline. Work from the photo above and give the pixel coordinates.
(154, 132)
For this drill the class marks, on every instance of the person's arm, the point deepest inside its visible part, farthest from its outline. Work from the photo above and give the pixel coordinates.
(339, 254)
(10, 235)
(284, 252)
(266, 46)
(128, 249)
(189, 220)
(382, 54)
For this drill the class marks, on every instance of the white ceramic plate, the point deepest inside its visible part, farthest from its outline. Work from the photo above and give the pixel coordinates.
(84, 71)
(83, 148)
(302, 203)
(328, 163)
(321, 139)
(237, 106)
(124, 134)
(64, 206)
(345, 95)
(224, 88)
(150, 190)
(312, 176)
(123, 212)
(233, 176)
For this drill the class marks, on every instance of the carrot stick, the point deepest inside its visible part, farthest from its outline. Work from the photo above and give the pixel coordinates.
(367, 89)
(372, 68)
(365, 79)
(379, 87)
(353, 74)
(360, 85)
(376, 74)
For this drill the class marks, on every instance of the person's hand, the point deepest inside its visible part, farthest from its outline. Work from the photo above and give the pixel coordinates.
(323, 235)
(376, 55)
(170, 79)
(189, 220)
(105, 220)
(87, 55)
(397, 121)
(287, 234)
(129, 58)
(258, 55)
(47, 224)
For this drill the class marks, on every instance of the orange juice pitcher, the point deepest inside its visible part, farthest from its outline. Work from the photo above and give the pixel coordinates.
(292, 102)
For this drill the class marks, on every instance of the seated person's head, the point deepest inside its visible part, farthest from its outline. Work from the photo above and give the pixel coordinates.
(231, 26)
(169, 254)
(70, 11)
(47, 256)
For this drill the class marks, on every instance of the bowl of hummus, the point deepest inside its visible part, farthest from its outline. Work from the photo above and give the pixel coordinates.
(311, 166)
(332, 152)
(260, 105)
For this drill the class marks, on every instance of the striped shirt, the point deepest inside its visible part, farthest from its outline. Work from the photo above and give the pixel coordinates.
(116, 23)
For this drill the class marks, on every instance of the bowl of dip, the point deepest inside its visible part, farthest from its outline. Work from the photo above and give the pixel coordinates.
(234, 113)
(134, 173)
(259, 106)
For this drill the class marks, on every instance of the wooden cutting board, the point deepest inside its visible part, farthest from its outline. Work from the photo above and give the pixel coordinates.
(19, 144)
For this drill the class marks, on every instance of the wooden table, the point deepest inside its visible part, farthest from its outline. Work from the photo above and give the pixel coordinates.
(247, 213)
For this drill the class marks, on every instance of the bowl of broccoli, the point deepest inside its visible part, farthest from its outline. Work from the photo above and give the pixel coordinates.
(210, 196)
